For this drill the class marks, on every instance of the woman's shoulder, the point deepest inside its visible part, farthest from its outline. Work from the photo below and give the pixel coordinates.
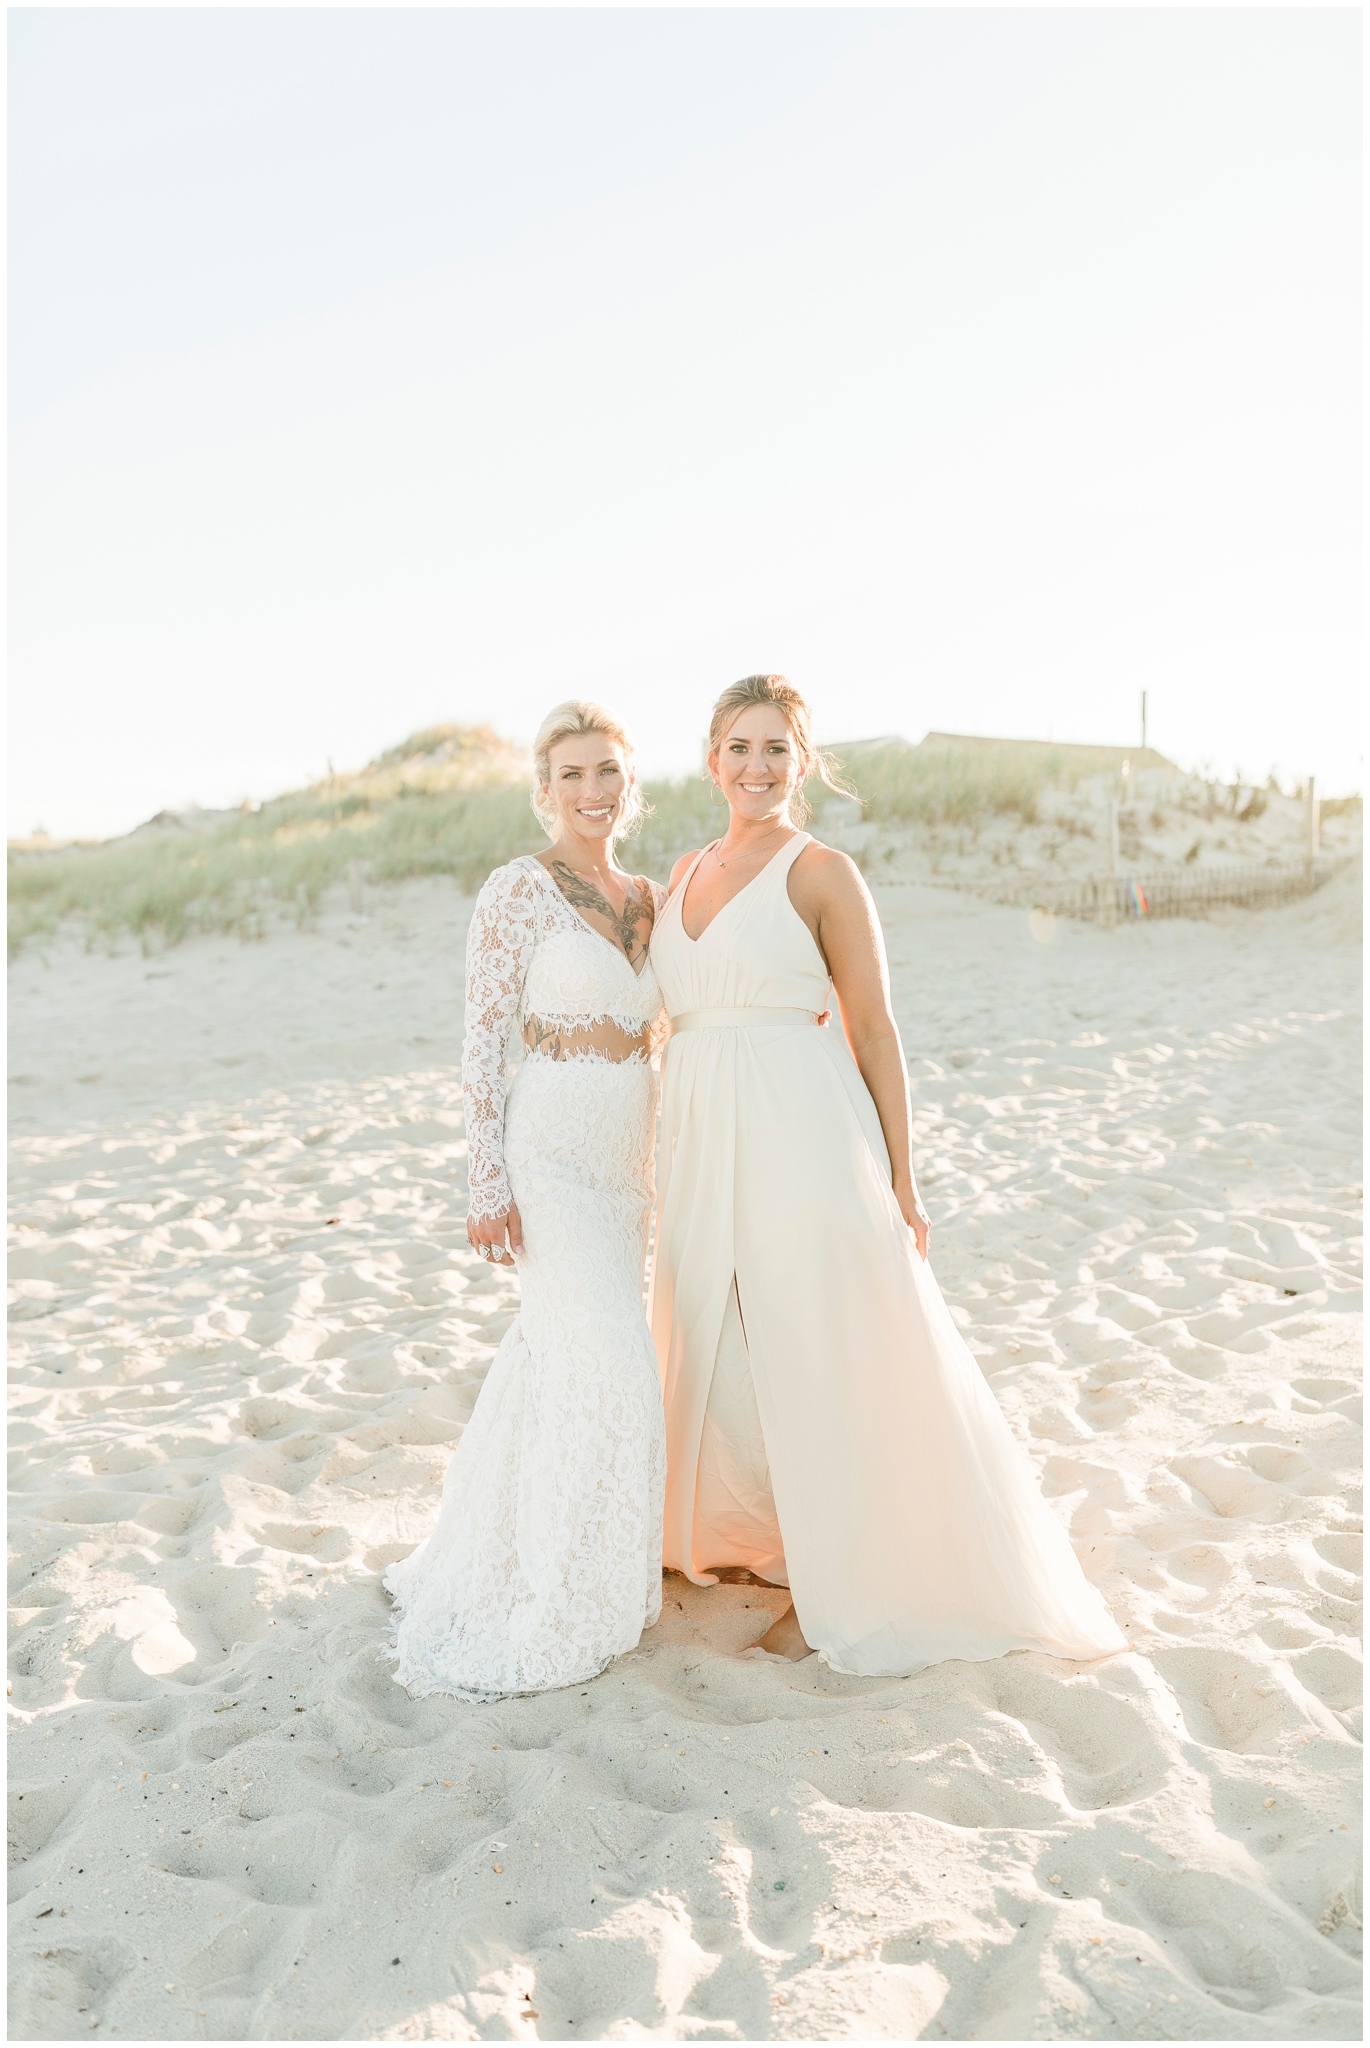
(824, 871)
(681, 869)
(816, 853)
(655, 892)
(515, 882)
(522, 871)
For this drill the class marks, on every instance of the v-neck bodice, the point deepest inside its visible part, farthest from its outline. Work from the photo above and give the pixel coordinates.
(755, 953)
(584, 923)
(576, 975)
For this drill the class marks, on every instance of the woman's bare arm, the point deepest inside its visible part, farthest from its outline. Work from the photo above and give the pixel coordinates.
(827, 890)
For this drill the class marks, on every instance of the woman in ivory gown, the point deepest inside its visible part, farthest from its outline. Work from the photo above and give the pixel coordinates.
(546, 1559)
(826, 1425)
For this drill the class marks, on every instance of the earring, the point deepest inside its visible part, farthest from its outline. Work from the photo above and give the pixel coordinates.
(712, 787)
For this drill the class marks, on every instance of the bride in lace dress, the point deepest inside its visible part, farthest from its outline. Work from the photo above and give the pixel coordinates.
(546, 1559)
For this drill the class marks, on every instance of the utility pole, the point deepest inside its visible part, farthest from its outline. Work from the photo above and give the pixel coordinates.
(1143, 721)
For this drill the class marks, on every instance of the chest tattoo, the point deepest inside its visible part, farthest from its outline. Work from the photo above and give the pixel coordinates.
(631, 926)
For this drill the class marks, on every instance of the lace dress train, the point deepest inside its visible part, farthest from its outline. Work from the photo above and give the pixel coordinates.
(546, 1559)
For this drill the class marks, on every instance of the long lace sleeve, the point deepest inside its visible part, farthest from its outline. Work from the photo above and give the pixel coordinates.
(499, 948)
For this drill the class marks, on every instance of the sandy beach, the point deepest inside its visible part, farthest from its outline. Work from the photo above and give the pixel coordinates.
(247, 1333)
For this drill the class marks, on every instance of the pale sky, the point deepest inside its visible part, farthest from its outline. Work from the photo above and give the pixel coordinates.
(372, 369)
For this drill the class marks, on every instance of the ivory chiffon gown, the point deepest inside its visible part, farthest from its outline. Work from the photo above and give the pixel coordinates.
(826, 1425)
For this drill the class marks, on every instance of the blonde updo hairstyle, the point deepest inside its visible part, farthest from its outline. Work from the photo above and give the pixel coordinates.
(740, 697)
(568, 721)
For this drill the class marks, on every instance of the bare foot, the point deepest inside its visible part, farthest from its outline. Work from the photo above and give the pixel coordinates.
(783, 1638)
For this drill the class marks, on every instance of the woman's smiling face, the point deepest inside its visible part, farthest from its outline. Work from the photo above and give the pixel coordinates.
(590, 780)
(758, 766)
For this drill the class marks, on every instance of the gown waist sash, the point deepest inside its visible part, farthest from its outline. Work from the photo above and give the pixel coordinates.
(738, 1019)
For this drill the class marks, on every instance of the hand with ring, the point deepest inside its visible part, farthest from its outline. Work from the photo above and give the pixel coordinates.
(497, 1238)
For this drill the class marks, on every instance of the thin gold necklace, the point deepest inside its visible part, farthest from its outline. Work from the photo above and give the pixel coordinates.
(733, 856)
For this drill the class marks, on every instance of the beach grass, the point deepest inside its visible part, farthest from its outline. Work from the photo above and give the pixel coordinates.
(449, 801)
(231, 877)
(948, 785)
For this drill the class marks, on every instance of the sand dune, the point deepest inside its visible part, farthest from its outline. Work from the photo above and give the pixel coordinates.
(248, 1332)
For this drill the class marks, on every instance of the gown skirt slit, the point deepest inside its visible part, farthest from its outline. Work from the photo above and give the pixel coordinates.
(735, 1521)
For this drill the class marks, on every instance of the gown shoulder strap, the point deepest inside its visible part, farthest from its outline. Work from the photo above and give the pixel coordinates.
(790, 853)
(677, 895)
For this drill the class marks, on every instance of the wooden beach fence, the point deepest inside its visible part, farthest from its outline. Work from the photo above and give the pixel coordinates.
(1117, 899)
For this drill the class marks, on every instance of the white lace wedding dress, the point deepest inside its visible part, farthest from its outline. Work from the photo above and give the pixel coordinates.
(546, 1559)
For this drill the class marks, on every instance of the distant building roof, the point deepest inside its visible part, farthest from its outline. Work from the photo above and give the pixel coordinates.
(1106, 757)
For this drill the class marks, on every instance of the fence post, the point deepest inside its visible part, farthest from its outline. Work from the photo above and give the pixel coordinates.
(1312, 822)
